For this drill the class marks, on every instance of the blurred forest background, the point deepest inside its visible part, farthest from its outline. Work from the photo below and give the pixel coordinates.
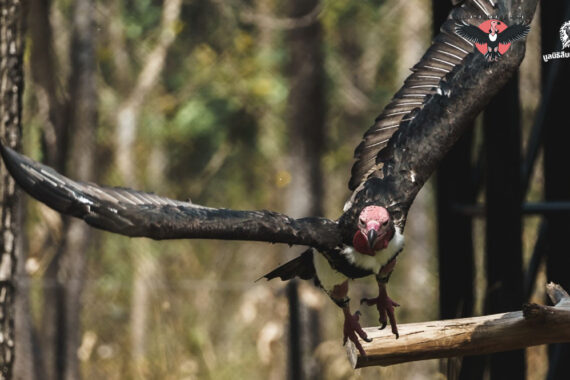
(243, 104)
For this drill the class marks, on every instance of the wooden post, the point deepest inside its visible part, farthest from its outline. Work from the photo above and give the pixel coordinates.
(533, 325)
(454, 230)
(556, 180)
(455, 243)
(503, 223)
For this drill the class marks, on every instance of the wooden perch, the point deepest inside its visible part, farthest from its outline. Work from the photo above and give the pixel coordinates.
(534, 325)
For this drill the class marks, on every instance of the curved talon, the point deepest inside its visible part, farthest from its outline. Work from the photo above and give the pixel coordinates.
(369, 301)
(385, 306)
(352, 330)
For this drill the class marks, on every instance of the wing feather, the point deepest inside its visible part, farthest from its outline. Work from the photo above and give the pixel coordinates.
(472, 33)
(135, 213)
(427, 79)
(513, 33)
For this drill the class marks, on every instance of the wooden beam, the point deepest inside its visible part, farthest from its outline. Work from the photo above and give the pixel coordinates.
(533, 325)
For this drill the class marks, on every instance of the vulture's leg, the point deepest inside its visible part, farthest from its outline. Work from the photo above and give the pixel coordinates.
(335, 284)
(351, 329)
(384, 304)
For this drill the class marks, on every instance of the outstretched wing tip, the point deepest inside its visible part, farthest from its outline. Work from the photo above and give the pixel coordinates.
(14, 163)
(513, 33)
(428, 78)
(141, 214)
(8, 154)
(471, 32)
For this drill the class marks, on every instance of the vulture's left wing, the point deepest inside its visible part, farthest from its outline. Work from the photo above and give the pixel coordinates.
(135, 213)
(513, 33)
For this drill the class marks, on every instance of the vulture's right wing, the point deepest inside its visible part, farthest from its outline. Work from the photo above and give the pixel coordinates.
(513, 33)
(447, 52)
(448, 87)
(135, 213)
(472, 33)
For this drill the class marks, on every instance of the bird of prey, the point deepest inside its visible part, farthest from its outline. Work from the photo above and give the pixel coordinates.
(494, 37)
(395, 158)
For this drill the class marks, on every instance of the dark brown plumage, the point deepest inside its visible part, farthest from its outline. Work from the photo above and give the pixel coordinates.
(394, 160)
(428, 79)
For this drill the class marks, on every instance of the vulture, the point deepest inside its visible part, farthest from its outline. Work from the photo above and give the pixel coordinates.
(494, 37)
(396, 156)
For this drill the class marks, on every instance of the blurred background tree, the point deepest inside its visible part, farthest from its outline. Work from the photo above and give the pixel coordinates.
(11, 90)
(231, 103)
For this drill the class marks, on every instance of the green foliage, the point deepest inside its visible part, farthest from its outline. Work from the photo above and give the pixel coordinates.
(217, 118)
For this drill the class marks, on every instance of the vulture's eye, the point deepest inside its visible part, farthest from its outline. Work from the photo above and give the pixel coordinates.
(385, 223)
(361, 222)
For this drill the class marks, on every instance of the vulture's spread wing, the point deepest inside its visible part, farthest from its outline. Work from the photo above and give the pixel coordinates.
(513, 33)
(446, 90)
(134, 213)
(472, 33)
(428, 78)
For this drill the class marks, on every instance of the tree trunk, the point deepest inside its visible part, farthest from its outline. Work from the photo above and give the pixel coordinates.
(47, 89)
(52, 108)
(83, 121)
(128, 115)
(455, 238)
(27, 364)
(503, 224)
(11, 88)
(306, 118)
(65, 276)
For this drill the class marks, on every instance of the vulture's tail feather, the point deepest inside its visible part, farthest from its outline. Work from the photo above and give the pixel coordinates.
(301, 266)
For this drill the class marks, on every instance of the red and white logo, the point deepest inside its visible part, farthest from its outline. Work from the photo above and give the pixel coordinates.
(493, 37)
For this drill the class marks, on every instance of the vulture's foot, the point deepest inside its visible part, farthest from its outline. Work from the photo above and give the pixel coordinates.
(385, 306)
(352, 330)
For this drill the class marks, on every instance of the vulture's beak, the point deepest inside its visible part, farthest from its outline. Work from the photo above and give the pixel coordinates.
(371, 235)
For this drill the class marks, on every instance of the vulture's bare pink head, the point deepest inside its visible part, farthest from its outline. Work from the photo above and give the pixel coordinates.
(375, 230)
(494, 28)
